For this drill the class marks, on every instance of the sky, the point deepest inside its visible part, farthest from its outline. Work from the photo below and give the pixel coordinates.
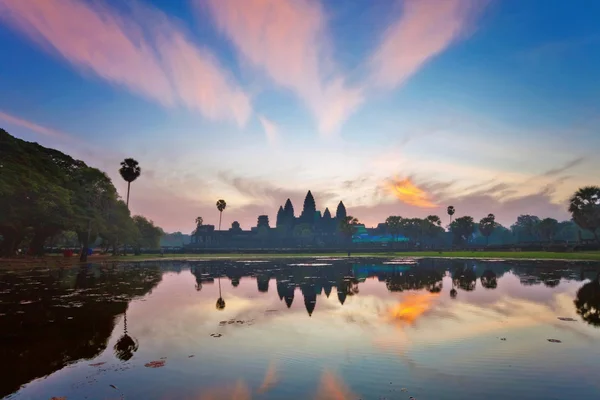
(394, 107)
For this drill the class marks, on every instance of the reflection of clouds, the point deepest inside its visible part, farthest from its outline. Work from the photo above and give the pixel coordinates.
(240, 391)
(271, 378)
(411, 307)
(333, 388)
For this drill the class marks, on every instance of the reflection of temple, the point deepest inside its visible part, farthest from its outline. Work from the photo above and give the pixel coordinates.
(314, 281)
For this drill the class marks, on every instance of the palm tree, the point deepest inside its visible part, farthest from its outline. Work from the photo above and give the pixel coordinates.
(130, 170)
(451, 212)
(199, 221)
(221, 207)
(584, 206)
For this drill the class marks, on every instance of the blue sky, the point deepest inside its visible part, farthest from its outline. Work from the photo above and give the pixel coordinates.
(491, 106)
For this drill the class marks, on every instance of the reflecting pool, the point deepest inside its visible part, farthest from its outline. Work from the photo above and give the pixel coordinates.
(302, 329)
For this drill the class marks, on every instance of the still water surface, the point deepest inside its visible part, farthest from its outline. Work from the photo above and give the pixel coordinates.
(303, 329)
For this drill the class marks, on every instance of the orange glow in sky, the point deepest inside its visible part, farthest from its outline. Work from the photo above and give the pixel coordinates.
(412, 306)
(407, 192)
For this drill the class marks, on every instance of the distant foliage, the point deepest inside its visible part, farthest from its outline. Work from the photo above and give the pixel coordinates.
(462, 229)
(487, 226)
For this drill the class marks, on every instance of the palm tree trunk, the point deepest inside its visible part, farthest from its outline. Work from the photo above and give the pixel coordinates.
(220, 215)
(127, 203)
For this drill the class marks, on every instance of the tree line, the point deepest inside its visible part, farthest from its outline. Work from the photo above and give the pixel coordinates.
(584, 207)
(46, 195)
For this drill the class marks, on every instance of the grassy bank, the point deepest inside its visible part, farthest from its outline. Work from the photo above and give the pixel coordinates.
(54, 261)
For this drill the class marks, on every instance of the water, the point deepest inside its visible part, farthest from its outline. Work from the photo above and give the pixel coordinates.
(302, 329)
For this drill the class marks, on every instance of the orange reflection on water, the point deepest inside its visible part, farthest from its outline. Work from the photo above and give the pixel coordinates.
(412, 306)
(270, 379)
(240, 391)
(407, 192)
(333, 388)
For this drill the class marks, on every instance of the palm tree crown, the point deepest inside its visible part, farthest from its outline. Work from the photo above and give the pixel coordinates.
(130, 170)
(221, 206)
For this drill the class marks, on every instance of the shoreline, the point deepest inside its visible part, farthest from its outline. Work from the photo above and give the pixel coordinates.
(57, 261)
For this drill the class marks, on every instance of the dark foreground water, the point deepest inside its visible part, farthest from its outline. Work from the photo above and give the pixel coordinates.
(316, 329)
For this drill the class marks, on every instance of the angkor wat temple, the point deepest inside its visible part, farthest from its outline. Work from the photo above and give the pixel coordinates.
(309, 228)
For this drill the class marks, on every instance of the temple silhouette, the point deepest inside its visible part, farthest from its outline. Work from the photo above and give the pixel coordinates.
(311, 227)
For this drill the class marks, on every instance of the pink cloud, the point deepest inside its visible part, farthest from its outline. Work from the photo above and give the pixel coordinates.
(42, 130)
(271, 130)
(425, 29)
(150, 56)
(287, 40)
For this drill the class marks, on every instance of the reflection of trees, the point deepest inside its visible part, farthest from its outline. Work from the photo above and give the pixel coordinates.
(587, 302)
(489, 280)
(464, 277)
(417, 278)
(72, 316)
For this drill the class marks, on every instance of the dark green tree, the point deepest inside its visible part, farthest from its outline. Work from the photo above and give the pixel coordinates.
(487, 226)
(548, 228)
(147, 235)
(462, 229)
(526, 227)
(394, 226)
(584, 206)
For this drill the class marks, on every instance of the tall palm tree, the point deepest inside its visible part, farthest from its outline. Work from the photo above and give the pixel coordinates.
(221, 207)
(584, 206)
(451, 212)
(130, 170)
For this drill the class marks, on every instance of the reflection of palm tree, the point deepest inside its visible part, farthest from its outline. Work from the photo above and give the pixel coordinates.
(220, 302)
(464, 277)
(587, 302)
(126, 345)
(453, 292)
(489, 279)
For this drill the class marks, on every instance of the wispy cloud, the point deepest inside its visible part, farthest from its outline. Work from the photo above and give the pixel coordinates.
(287, 39)
(425, 29)
(141, 49)
(42, 130)
(271, 130)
